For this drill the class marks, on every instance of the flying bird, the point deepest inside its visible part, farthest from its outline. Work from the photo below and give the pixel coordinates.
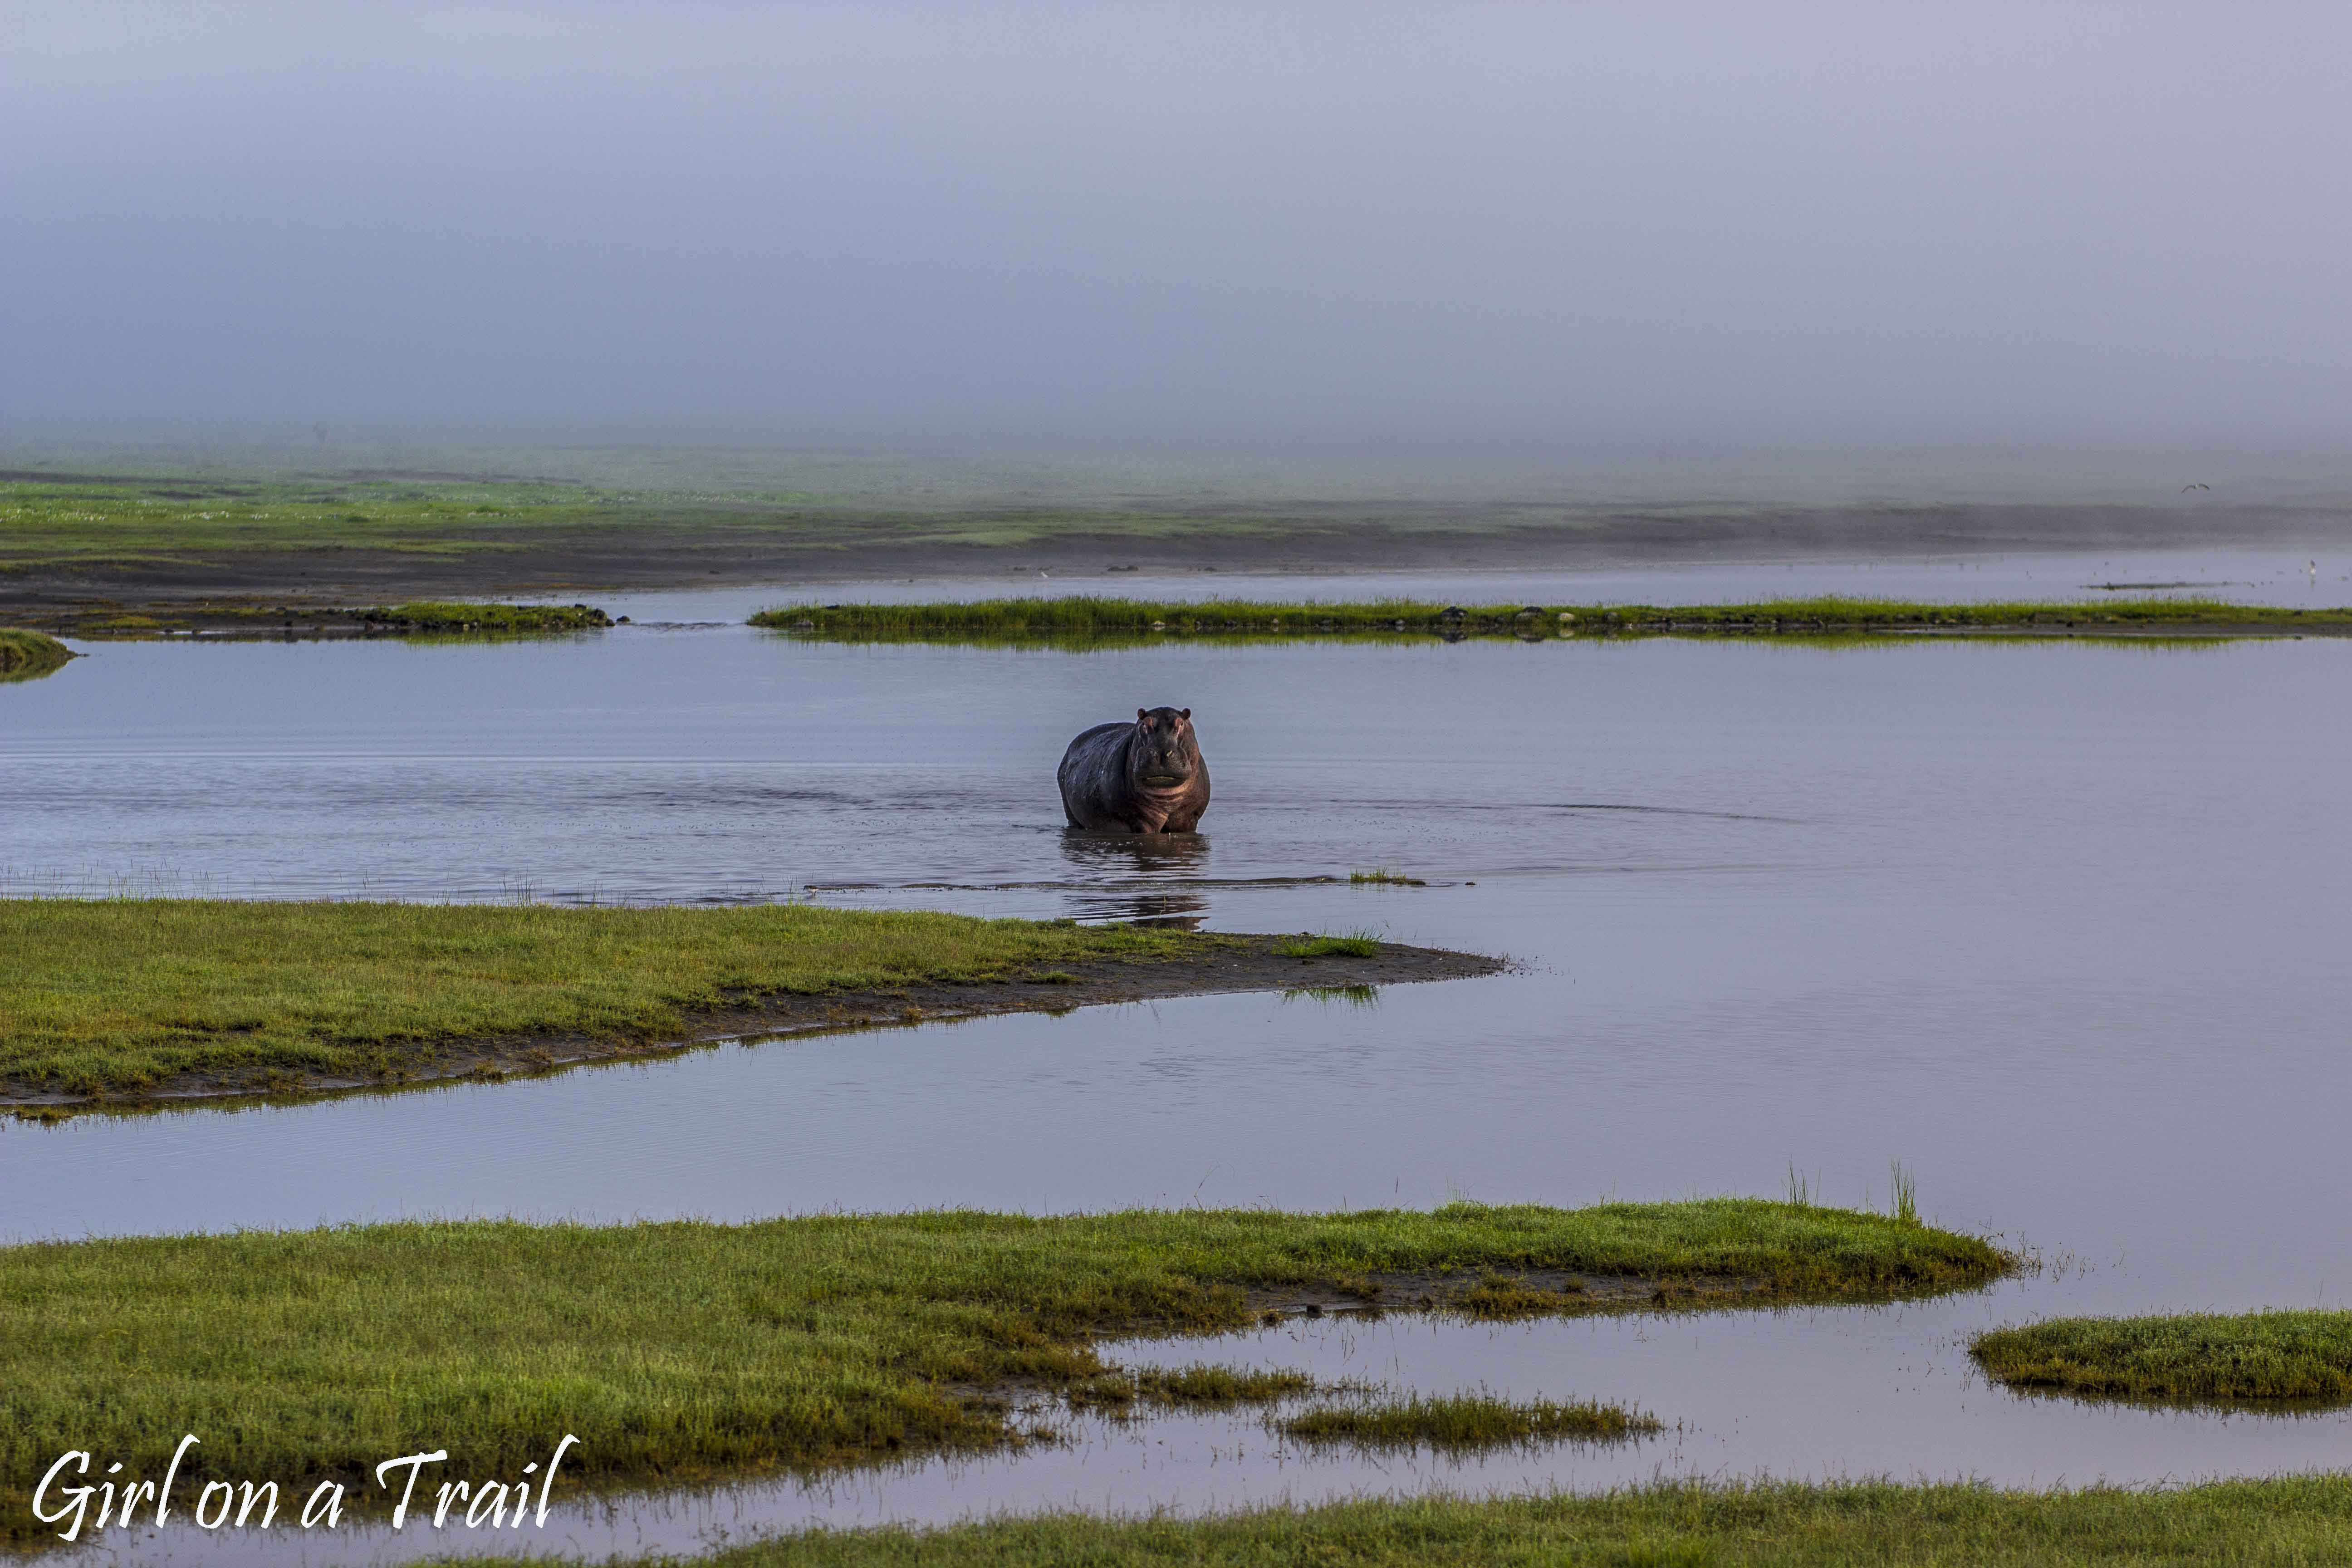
(2186, 488)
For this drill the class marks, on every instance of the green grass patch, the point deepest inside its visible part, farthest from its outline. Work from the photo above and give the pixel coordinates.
(2300, 1356)
(1190, 1387)
(1089, 622)
(688, 1350)
(429, 620)
(1355, 944)
(1381, 877)
(115, 996)
(1463, 1423)
(2301, 1519)
(1905, 1194)
(28, 655)
(444, 617)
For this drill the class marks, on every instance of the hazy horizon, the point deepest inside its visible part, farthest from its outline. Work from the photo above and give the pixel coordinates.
(1614, 240)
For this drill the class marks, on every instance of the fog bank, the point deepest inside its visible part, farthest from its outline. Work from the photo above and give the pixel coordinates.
(1663, 231)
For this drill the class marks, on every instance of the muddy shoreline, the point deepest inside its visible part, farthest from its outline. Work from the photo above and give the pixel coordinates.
(1246, 962)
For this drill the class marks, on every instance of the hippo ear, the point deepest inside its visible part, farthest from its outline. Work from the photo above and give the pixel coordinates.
(1143, 716)
(1183, 712)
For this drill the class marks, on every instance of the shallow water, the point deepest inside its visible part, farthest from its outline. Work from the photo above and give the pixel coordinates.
(2261, 575)
(2060, 926)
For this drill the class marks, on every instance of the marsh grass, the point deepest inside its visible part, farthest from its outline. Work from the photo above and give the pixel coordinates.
(446, 618)
(113, 997)
(689, 1350)
(422, 621)
(1381, 877)
(1090, 621)
(2289, 1356)
(2300, 1520)
(1357, 944)
(1191, 1387)
(1086, 619)
(29, 656)
(1904, 1194)
(1462, 1423)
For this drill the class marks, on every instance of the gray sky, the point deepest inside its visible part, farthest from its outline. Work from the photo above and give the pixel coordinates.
(1867, 226)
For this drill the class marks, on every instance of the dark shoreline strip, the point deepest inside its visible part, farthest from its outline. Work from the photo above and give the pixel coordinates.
(299, 617)
(1085, 621)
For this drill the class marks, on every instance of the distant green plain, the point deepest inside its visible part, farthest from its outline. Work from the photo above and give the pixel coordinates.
(167, 520)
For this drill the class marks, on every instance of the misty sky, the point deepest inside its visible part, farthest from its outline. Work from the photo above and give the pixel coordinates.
(1748, 221)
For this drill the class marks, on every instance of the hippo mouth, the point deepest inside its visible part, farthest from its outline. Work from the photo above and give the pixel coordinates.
(1161, 781)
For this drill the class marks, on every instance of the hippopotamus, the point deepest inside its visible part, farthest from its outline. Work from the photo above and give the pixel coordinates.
(1144, 777)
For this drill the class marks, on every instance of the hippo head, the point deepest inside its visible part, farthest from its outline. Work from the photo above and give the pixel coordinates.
(1165, 754)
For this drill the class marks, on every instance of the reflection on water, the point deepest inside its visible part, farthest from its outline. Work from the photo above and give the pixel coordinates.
(1336, 995)
(1120, 861)
(1183, 911)
(1123, 857)
(2060, 927)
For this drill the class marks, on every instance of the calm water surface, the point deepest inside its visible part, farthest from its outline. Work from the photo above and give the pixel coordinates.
(2060, 926)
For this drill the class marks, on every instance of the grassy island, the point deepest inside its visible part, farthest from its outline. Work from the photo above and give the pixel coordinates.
(442, 617)
(1463, 1423)
(177, 997)
(1107, 622)
(687, 1349)
(28, 655)
(261, 617)
(2292, 1356)
(2301, 1519)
